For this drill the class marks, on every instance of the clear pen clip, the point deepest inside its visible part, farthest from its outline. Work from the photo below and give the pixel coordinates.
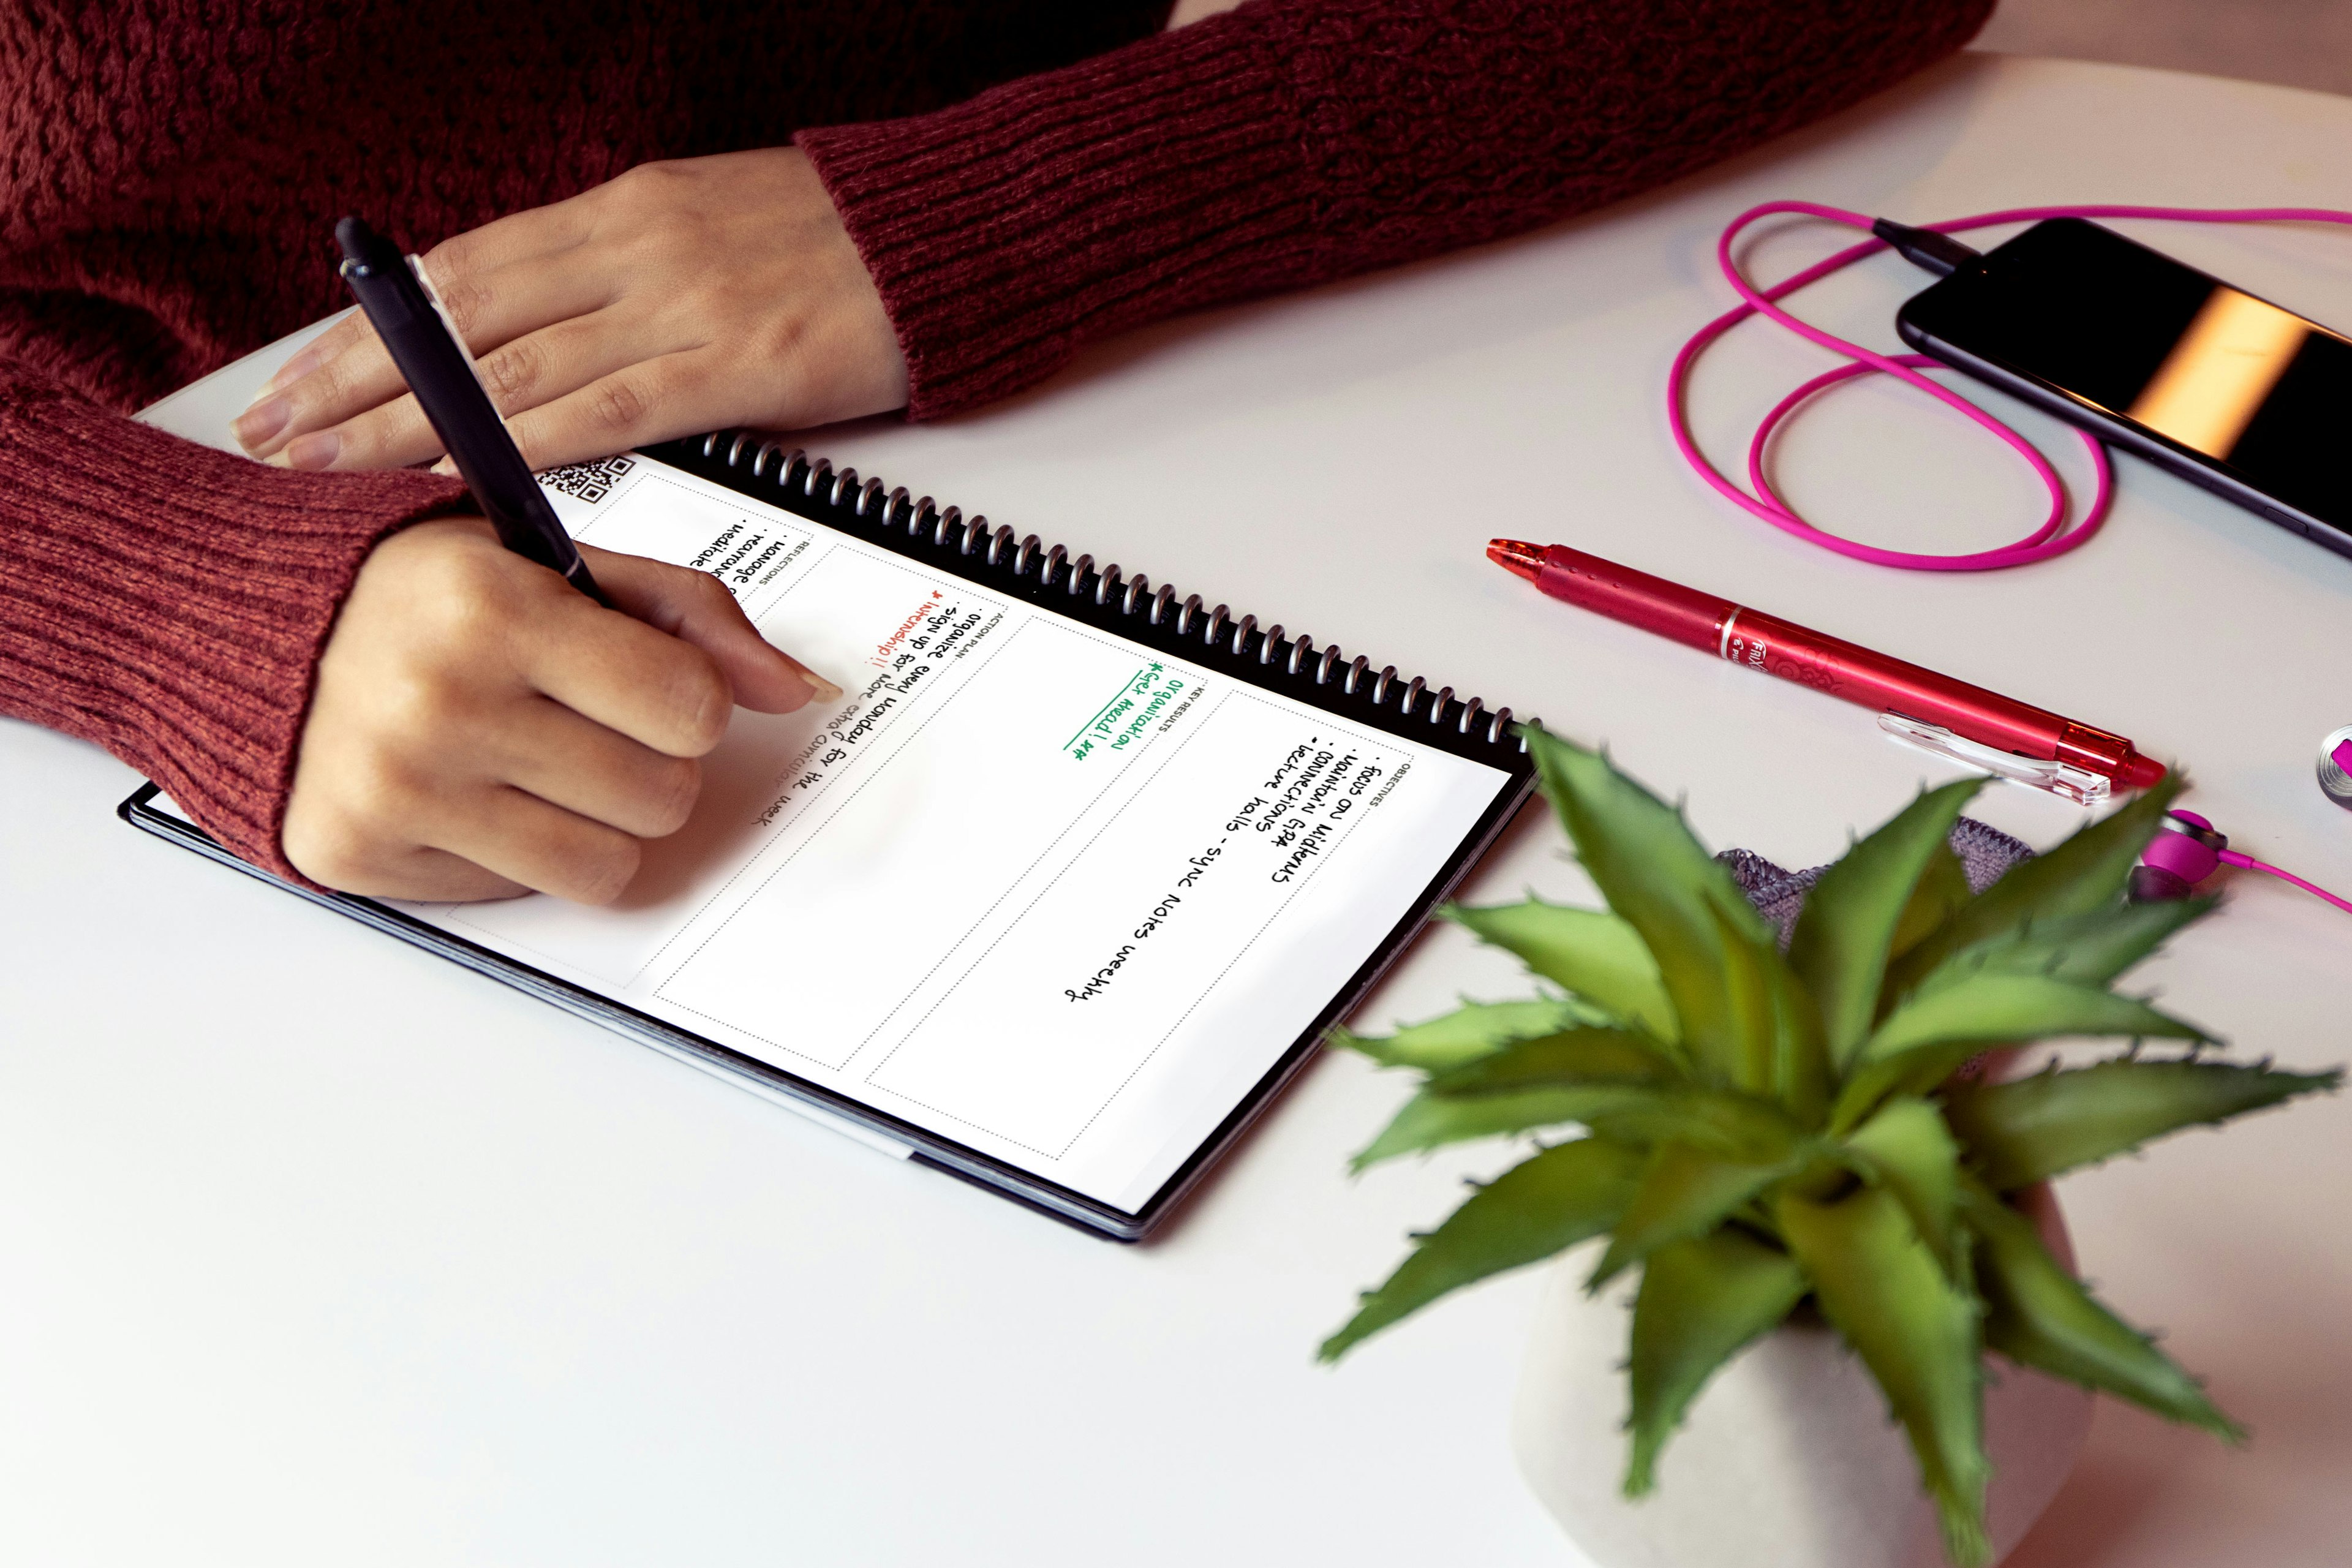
(2059, 778)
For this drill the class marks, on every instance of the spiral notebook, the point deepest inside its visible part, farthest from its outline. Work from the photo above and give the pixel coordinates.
(1056, 898)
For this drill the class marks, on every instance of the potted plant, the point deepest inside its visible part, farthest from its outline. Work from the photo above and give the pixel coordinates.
(1770, 1135)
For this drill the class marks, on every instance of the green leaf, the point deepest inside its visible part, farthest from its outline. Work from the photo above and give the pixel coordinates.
(2085, 873)
(1701, 1301)
(1687, 1192)
(1471, 1031)
(1572, 1057)
(1597, 955)
(1908, 1150)
(1428, 1121)
(2034, 1127)
(1560, 1198)
(1746, 995)
(2092, 949)
(1979, 1010)
(1922, 1070)
(1877, 1281)
(1850, 915)
(1993, 1005)
(1738, 1127)
(2039, 1315)
(1665, 885)
(1943, 888)
(1801, 1075)
(1776, 1036)
(1795, 1061)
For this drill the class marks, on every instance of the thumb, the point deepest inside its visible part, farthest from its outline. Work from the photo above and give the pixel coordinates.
(695, 608)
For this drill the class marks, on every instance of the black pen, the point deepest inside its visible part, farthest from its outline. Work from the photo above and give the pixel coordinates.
(437, 369)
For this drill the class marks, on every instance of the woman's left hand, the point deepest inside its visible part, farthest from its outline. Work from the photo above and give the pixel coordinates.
(680, 297)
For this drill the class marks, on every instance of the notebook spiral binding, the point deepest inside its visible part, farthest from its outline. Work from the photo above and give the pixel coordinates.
(812, 487)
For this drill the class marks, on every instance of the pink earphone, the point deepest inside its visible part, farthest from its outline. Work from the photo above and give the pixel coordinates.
(2188, 849)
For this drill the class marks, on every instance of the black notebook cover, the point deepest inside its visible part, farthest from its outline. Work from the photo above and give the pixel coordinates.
(1129, 607)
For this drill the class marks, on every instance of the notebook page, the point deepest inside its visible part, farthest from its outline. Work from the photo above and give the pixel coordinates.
(1055, 896)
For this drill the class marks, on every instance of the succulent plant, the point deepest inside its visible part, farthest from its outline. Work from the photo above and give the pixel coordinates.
(1763, 1129)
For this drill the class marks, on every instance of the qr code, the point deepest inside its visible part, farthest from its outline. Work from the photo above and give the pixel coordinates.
(591, 483)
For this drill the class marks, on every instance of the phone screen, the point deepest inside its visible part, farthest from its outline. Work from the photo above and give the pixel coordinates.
(2256, 391)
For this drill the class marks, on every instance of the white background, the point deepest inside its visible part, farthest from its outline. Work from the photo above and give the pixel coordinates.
(313, 1248)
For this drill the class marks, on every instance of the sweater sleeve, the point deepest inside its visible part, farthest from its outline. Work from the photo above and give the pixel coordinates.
(170, 601)
(1292, 142)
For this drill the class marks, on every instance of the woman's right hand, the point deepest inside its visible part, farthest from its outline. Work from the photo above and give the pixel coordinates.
(480, 729)
(684, 295)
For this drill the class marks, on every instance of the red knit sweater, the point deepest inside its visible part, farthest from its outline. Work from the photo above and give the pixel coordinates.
(1021, 178)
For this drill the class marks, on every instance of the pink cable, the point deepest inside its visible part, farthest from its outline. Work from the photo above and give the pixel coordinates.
(2053, 538)
(2232, 857)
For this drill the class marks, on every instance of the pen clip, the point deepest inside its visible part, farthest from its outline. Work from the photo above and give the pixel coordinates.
(2059, 778)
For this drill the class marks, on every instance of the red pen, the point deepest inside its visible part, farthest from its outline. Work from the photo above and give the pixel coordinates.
(1945, 716)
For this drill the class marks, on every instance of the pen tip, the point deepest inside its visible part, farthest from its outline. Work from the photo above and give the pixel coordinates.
(2140, 773)
(1516, 556)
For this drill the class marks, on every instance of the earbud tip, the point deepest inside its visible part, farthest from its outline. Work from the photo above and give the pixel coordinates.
(2335, 767)
(2155, 885)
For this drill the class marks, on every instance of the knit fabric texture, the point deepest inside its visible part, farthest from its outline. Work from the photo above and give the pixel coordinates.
(1021, 177)
(1985, 854)
(1288, 143)
(182, 638)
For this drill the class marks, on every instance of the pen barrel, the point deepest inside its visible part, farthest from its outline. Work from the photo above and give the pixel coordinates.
(580, 577)
(1668, 609)
(1828, 665)
(425, 348)
(1839, 669)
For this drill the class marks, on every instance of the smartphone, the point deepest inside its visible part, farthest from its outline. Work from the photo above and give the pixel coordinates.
(2230, 392)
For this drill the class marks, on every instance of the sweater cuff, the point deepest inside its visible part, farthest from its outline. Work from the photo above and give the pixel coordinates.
(170, 601)
(1006, 231)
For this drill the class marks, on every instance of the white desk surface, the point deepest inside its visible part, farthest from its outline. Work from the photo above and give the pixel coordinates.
(316, 1249)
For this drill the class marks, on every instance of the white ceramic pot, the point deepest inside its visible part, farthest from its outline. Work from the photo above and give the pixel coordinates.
(1788, 1459)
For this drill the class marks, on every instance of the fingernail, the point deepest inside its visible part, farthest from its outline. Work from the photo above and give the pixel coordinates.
(260, 422)
(315, 450)
(292, 371)
(820, 689)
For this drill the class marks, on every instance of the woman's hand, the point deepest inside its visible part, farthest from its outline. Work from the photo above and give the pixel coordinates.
(681, 297)
(479, 728)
